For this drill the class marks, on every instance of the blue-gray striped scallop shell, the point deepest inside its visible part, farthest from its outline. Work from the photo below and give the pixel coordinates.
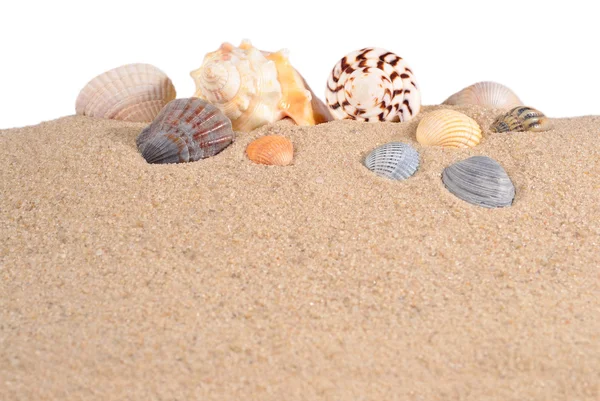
(394, 160)
(185, 130)
(480, 181)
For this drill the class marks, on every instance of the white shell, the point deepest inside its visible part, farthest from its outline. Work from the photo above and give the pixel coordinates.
(373, 84)
(394, 160)
(487, 94)
(254, 87)
(132, 92)
(242, 83)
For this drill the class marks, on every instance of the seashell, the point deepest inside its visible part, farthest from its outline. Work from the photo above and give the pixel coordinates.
(254, 87)
(185, 130)
(372, 84)
(480, 181)
(487, 94)
(132, 92)
(448, 128)
(522, 118)
(271, 149)
(394, 160)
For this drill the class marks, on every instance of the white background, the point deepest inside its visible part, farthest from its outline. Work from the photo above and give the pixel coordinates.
(547, 52)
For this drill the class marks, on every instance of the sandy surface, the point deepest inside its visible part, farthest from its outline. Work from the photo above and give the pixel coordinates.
(226, 280)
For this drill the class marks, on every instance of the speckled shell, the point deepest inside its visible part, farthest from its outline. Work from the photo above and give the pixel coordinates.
(480, 181)
(254, 87)
(185, 130)
(373, 84)
(448, 128)
(394, 160)
(487, 94)
(133, 92)
(522, 118)
(272, 150)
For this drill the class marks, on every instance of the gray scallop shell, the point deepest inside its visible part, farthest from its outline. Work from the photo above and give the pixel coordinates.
(480, 181)
(394, 160)
(185, 130)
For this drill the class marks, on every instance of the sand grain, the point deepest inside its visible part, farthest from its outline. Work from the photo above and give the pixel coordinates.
(226, 280)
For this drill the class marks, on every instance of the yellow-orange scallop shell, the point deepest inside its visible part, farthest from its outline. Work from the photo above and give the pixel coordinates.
(448, 128)
(274, 150)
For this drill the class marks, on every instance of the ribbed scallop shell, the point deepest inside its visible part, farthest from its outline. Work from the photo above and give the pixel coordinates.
(487, 94)
(522, 118)
(254, 87)
(272, 150)
(480, 181)
(185, 130)
(394, 160)
(372, 84)
(133, 92)
(448, 128)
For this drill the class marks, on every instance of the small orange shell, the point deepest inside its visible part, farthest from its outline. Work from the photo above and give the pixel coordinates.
(271, 149)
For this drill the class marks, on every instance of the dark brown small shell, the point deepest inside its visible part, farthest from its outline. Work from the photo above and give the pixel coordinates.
(185, 130)
(521, 118)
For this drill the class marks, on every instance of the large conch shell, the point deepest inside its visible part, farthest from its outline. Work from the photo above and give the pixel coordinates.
(254, 88)
(486, 94)
(372, 84)
(132, 92)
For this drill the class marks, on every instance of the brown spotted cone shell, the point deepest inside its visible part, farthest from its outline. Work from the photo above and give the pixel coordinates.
(272, 150)
(185, 130)
(373, 84)
(521, 118)
(132, 92)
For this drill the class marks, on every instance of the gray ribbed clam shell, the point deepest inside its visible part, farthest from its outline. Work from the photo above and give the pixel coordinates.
(481, 181)
(185, 130)
(394, 160)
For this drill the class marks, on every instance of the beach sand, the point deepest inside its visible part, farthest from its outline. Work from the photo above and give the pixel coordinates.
(226, 280)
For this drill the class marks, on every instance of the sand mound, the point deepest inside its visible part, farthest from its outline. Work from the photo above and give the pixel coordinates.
(226, 280)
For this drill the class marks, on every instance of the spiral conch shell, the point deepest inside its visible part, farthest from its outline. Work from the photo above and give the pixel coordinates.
(487, 94)
(448, 128)
(254, 88)
(132, 92)
(372, 84)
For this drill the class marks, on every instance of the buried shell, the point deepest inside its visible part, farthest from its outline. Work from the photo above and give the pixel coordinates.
(272, 150)
(394, 160)
(487, 94)
(254, 88)
(522, 118)
(480, 181)
(185, 130)
(448, 128)
(132, 92)
(372, 84)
